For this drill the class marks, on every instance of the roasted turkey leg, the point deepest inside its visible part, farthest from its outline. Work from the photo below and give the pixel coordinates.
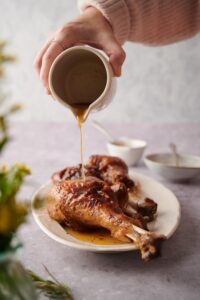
(92, 203)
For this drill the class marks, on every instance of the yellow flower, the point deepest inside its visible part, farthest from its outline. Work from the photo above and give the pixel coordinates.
(12, 214)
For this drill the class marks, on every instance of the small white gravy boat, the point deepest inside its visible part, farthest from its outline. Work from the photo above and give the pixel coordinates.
(130, 150)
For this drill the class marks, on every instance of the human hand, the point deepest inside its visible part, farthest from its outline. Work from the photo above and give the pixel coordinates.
(89, 28)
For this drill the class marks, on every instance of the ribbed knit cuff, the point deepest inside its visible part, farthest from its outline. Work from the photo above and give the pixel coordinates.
(115, 11)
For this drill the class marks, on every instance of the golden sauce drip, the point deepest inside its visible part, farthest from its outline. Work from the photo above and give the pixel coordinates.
(81, 150)
(79, 112)
(98, 237)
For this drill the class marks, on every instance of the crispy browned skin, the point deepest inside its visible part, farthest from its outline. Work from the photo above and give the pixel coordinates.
(107, 168)
(69, 173)
(91, 203)
(113, 171)
(147, 208)
(110, 169)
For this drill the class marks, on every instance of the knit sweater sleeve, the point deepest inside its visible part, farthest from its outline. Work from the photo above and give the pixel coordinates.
(152, 22)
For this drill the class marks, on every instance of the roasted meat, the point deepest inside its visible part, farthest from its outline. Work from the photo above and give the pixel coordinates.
(114, 171)
(69, 173)
(107, 198)
(93, 204)
(110, 169)
(137, 201)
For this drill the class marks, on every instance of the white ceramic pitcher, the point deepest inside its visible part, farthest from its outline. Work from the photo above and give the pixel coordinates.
(82, 74)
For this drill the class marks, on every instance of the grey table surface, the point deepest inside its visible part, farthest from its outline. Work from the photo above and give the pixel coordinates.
(46, 147)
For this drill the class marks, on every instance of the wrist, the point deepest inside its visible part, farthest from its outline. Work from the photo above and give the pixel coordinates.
(92, 12)
(95, 14)
(116, 13)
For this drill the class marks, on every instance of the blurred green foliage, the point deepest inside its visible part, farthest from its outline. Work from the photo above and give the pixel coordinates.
(17, 283)
(4, 110)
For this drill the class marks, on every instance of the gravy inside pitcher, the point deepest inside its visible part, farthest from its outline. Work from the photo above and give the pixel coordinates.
(85, 81)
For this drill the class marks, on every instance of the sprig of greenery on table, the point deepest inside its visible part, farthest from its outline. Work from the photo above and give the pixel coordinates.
(5, 111)
(21, 284)
(15, 284)
(53, 290)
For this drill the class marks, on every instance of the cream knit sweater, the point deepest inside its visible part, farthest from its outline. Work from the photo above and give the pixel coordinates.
(153, 22)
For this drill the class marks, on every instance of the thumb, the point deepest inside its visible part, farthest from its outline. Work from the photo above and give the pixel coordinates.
(115, 53)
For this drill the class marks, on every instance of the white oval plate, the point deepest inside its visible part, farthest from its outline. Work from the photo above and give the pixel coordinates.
(166, 222)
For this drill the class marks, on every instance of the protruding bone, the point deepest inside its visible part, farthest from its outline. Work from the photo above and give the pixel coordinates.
(147, 242)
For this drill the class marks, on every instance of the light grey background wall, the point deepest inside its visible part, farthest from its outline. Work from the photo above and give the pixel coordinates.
(158, 84)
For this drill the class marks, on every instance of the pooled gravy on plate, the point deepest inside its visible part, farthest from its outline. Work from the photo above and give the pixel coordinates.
(98, 236)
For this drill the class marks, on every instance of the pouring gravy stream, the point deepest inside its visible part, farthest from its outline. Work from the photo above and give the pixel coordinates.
(79, 111)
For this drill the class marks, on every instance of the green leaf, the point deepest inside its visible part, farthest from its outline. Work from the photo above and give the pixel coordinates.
(3, 124)
(11, 181)
(5, 241)
(3, 142)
